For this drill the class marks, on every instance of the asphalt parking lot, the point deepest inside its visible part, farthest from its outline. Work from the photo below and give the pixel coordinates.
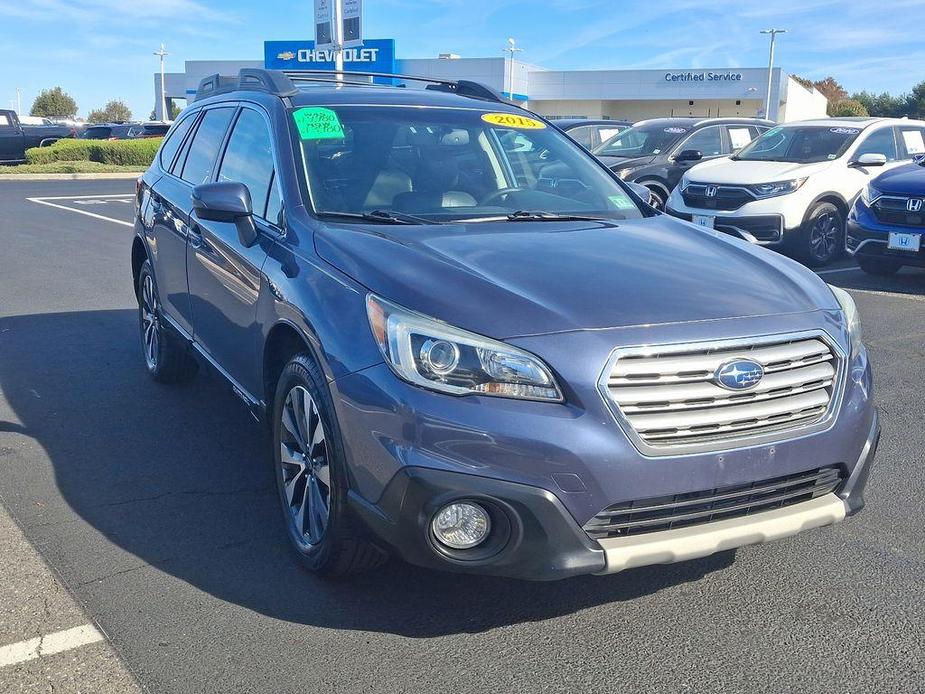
(154, 507)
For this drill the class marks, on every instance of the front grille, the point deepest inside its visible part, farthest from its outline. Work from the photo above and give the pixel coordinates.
(694, 508)
(892, 210)
(726, 197)
(668, 397)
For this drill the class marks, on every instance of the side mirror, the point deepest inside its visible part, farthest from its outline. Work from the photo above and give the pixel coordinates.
(689, 155)
(644, 193)
(230, 202)
(870, 159)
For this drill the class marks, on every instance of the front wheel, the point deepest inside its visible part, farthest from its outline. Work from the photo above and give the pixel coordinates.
(311, 476)
(822, 235)
(656, 197)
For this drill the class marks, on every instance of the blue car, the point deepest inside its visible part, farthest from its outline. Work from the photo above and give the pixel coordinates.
(475, 348)
(887, 221)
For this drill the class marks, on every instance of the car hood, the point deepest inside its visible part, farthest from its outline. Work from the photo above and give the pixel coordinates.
(738, 172)
(507, 279)
(617, 163)
(908, 179)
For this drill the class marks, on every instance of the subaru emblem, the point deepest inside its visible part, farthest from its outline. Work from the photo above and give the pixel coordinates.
(738, 374)
(914, 204)
(710, 191)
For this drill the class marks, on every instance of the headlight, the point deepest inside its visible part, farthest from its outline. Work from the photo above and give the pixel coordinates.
(772, 190)
(869, 194)
(435, 355)
(852, 318)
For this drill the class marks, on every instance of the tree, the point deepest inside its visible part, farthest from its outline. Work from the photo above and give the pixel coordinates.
(54, 102)
(848, 107)
(882, 105)
(832, 91)
(915, 101)
(113, 111)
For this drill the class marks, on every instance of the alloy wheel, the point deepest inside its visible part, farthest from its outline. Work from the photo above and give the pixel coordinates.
(823, 237)
(306, 472)
(150, 323)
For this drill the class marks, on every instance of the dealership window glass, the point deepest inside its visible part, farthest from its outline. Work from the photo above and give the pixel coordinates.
(709, 141)
(800, 144)
(204, 148)
(444, 164)
(644, 140)
(913, 140)
(582, 135)
(249, 158)
(881, 141)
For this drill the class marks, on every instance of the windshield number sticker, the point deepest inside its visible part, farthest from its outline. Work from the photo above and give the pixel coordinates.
(844, 131)
(512, 120)
(621, 202)
(317, 123)
(676, 131)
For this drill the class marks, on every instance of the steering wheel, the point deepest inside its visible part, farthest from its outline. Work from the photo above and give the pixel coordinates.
(498, 194)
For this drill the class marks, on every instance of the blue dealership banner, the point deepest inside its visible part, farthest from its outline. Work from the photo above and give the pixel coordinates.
(375, 55)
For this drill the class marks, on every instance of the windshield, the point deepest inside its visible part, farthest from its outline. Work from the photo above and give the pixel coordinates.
(802, 144)
(442, 164)
(642, 141)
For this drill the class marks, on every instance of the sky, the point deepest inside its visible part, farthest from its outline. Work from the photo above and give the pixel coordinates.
(98, 50)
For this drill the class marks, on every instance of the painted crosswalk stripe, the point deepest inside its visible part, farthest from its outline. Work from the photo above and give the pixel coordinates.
(56, 642)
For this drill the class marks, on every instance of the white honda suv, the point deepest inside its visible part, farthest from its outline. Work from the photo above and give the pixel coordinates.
(792, 187)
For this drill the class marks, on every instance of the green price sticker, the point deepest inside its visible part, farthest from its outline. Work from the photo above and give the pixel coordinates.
(316, 123)
(621, 202)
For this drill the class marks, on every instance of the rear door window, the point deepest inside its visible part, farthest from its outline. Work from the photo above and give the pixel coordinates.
(582, 135)
(740, 135)
(913, 140)
(249, 158)
(709, 141)
(203, 151)
(881, 141)
(172, 144)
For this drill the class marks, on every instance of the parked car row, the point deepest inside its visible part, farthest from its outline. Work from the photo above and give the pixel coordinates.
(17, 137)
(124, 131)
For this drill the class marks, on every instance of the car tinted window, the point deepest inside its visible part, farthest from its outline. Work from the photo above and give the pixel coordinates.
(913, 140)
(98, 133)
(605, 132)
(643, 141)
(881, 141)
(274, 204)
(204, 147)
(801, 144)
(249, 158)
(740, 135)
(582, 135)
(174, 140)
(709, 141)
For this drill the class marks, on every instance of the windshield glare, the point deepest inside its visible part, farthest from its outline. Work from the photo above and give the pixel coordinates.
(800, 144)
(642, 141)
(444, 164)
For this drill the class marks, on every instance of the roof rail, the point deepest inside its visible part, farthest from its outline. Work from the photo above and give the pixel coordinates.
(475, 90)
(248, 79)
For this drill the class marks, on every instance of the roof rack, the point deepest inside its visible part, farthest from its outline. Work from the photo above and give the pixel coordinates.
(282, 82)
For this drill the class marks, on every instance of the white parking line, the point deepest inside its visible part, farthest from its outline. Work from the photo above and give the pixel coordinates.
(841, 269)
(77, 198)
(56, 642)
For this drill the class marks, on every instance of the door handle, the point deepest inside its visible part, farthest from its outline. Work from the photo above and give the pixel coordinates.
(194, 235)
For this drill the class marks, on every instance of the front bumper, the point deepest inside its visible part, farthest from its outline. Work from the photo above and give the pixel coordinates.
(868, 237)
(550, 468)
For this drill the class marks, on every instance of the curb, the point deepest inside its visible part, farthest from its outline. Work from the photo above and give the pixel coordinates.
(70, 176)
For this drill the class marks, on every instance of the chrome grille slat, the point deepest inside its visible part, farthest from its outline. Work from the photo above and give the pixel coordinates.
(667, 397)
(694, 508)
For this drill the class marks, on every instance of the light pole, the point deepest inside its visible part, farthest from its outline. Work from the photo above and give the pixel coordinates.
(162, 54)
(19, 101)
(773, 33)
(512, 49)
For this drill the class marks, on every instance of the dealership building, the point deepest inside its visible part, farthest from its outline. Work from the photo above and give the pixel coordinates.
(618, 94)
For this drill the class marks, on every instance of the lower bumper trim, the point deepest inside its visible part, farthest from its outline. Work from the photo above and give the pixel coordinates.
(697, 541)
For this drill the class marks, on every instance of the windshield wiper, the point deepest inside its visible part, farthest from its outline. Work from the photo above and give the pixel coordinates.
(541, 216)
(381, 216)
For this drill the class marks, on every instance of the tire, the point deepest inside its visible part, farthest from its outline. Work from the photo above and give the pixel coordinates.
(311, 476)
(657, 197)
(166, 355)
(822, 237)
(878, 266)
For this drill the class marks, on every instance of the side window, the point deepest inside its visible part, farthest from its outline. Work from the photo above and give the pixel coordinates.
(709, 141)
(879, 142)
(913, 140)
(4, 120)
(740, 135)
(204, 148)
(274, 203)
(582, 135)
(607, 132)
(249, 158)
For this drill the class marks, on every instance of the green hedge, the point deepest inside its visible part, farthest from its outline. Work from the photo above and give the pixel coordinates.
(119, 152)
(68, 167)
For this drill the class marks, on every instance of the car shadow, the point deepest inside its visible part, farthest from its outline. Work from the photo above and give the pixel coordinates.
(178, 477)
(909, 280)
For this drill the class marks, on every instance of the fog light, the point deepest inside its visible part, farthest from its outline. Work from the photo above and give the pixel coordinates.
(461, 525)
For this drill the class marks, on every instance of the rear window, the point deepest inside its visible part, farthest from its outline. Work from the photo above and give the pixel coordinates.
(97, 133)
(173, 142)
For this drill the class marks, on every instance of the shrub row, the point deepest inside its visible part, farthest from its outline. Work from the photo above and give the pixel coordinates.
(120, 152)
